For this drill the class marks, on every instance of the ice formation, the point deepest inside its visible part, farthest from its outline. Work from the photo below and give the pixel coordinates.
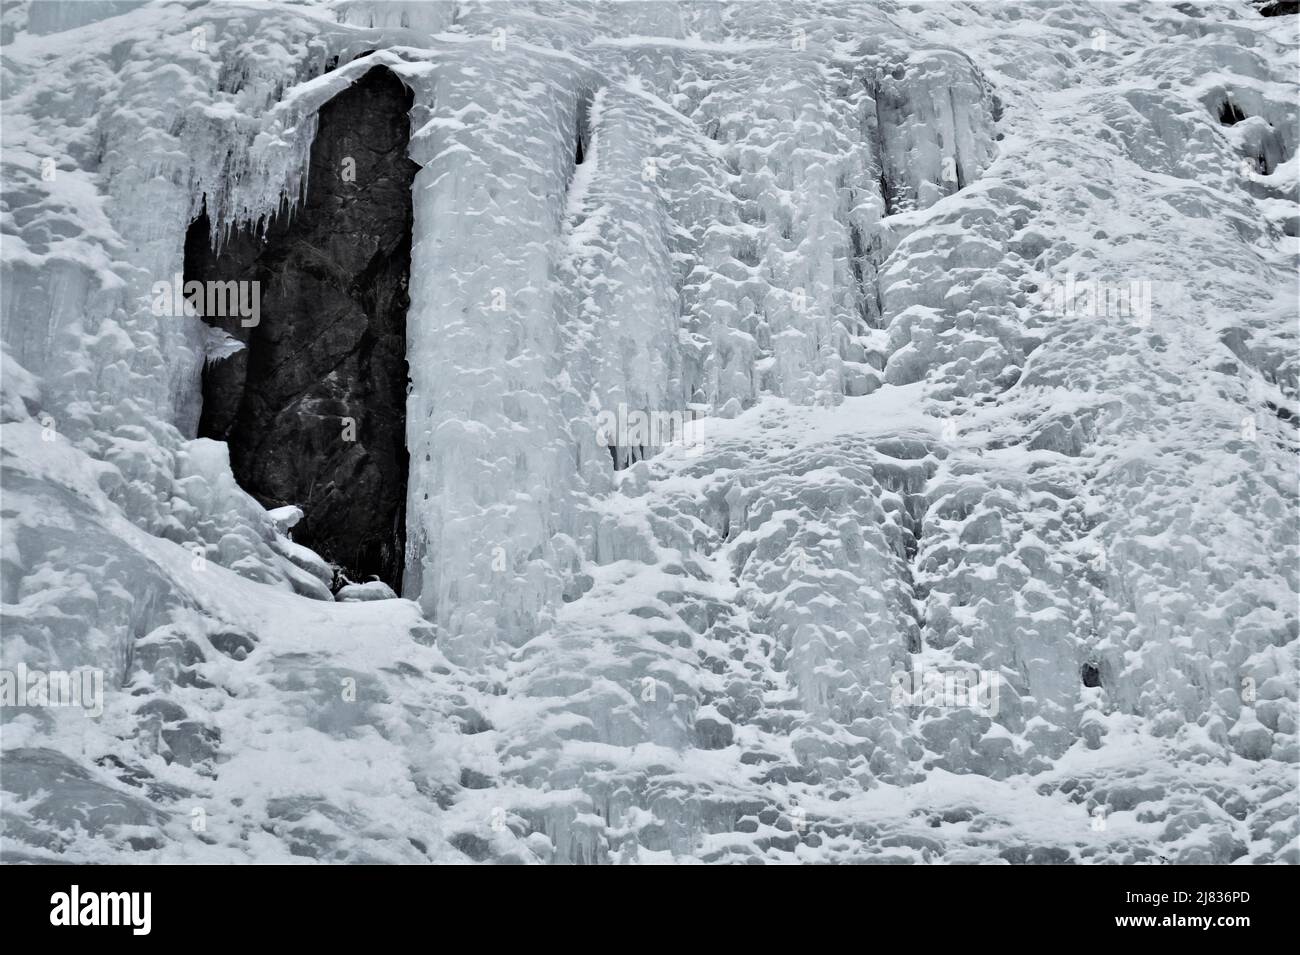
(980, 321)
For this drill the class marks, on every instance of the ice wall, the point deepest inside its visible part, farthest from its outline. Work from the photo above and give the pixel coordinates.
(713, 247)
(883, 268)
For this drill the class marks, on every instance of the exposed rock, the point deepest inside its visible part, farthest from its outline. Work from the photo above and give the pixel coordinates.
(712, 729)
(314, 407)
(64, 795)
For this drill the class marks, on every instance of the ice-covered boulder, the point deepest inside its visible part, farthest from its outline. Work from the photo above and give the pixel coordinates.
(370, 590)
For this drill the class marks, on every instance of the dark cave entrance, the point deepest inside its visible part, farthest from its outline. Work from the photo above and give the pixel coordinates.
(314, 406)
(582, 134)
(1230, 113)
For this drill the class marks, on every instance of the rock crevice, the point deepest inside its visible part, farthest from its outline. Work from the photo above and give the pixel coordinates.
(314, 406)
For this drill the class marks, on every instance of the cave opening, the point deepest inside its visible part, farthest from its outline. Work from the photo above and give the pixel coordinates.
(582, 131)
(1230, 114)
(313, 407)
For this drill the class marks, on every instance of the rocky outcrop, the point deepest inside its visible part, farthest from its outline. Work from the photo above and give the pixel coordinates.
(313, 407)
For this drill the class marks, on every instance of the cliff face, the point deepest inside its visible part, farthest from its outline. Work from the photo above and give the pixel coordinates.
(834, 432)
(313, 408)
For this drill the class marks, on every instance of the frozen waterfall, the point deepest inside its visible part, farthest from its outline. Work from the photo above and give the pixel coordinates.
(782, 431)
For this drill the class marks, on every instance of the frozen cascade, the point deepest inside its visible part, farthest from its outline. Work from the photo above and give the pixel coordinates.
(839, 245)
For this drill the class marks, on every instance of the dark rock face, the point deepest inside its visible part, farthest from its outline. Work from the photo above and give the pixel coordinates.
(1277, 8)
(314, 407)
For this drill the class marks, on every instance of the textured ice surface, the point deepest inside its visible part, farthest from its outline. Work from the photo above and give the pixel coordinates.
(987, 313)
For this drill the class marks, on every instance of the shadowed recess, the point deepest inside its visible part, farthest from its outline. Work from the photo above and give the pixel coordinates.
(314, 406)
